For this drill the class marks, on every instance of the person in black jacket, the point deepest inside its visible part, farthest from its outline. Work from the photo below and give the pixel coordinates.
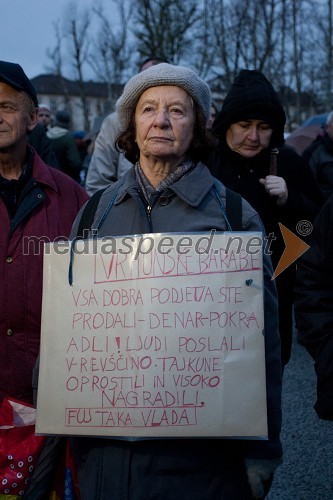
(252, 160)
(38, 139)
(319, 155)
(313, 306)
(64, 146)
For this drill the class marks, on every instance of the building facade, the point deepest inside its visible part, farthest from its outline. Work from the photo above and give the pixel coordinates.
(61, 93)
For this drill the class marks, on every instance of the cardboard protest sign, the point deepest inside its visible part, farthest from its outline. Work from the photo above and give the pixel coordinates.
(158, 336)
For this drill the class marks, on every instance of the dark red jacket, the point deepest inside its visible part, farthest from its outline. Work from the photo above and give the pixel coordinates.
(48, 208)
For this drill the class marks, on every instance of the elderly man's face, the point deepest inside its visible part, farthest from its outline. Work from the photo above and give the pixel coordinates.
(164, 120)
(16, 118)
(249, 137)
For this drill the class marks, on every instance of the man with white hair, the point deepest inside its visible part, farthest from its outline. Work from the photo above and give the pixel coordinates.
(37, 203)
(320, 158)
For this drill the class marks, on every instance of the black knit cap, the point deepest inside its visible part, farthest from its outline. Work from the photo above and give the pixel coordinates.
(13, 75)
(252, 97)
(62, 118)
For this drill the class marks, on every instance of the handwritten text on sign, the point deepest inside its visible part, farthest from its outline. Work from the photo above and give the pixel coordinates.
(164, 344)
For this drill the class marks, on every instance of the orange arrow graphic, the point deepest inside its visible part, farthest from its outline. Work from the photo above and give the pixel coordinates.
(295, 247)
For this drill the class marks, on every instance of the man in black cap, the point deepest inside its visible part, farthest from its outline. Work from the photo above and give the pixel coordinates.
(37, 204)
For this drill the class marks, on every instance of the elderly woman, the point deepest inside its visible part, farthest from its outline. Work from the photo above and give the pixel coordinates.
(163, 113)
(252, 161)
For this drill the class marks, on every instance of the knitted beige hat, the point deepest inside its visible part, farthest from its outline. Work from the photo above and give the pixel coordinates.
(155, 76)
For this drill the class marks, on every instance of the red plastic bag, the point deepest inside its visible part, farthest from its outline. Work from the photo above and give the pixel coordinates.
(19, 447)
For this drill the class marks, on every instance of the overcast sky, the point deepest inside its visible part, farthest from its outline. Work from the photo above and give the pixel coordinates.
(27, 31)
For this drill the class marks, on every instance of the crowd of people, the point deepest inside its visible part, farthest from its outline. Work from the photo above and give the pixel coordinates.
(165, 160)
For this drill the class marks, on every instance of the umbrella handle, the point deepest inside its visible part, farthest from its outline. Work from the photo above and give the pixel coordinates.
(273, 162)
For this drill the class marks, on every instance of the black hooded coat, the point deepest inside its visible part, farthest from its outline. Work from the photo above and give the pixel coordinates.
(252, 96)
(313, 306)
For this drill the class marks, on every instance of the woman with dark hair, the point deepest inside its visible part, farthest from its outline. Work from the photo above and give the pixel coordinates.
(252, 160)
(163, 113)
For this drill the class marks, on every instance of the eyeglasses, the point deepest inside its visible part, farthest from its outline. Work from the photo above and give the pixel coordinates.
(44, 114)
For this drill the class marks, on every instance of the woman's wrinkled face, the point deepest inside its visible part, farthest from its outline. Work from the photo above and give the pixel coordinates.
(249, 137)
(164, 122)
